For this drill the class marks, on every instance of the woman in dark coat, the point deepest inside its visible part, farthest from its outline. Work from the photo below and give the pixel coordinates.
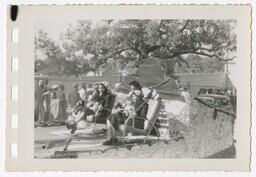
(104, 100)
(100, 108)
(62, 103)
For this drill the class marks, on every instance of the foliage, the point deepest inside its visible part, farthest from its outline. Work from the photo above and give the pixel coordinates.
(130, 42)
(56, 62)
(200, 64)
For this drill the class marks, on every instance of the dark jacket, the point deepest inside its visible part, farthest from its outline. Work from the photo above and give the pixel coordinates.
(104, 100)
(141, 111)
(119, 117)
(73, 97)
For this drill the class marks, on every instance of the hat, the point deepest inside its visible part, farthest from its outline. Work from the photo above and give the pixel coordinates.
(41, 82)
(137, 93)
(55, 86)
(181, 89)
(106, 83)
(147, 92)
(75, 85)
(121, 88)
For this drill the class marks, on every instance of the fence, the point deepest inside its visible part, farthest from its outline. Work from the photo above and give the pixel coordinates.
(68, 81)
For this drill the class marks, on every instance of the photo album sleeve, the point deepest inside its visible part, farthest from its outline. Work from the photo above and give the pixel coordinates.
(128, 88)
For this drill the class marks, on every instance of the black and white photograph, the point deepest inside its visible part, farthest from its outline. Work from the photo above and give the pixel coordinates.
(135, 89)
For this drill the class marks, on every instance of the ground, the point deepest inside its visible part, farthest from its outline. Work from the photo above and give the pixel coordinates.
(209, 135)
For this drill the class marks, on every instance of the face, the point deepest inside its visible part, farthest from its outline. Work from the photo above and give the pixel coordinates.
(135, 98)
(95, 86)
(46, 83)
(101, 88)
(132, 88)
(41, 84)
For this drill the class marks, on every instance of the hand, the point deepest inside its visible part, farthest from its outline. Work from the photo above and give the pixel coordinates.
(124, 104)
(46, 93)
(100, 107)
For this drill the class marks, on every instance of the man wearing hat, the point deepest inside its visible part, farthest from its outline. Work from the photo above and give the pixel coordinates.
(47, 101)
(39, 99)
(83, 92)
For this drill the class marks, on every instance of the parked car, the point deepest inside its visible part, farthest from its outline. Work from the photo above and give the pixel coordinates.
(214, 99)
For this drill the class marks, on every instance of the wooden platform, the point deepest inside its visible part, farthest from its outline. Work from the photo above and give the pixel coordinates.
(52, 140)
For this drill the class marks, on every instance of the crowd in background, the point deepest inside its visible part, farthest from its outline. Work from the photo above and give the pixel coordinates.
(89, 104)
(51, 103)
(95, 103)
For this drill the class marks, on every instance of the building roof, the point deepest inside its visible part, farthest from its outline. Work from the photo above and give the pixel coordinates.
(206, 80)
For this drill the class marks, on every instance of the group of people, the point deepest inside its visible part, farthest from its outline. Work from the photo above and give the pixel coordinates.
(43, 98)
(97, 104)
(92, 104)
(99, 108)
(51, 105)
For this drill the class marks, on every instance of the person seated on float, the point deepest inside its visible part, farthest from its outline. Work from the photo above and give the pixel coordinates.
(93, 92)
(77, 119)
(104, 103)
(98, 109)
(134, 85)
(150, 93)
(135, 106)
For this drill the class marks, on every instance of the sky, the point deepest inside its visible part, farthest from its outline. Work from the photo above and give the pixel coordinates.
(52, 28)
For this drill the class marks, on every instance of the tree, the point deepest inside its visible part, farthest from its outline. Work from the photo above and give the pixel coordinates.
(54, 60)
(200, 64)
(39, 65)
(89, 41)
(130, 42)
(171, 40)
(46, 45)
(88, 46)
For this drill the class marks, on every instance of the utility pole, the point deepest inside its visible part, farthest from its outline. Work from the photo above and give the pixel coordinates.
(226, 71)
(226, 66)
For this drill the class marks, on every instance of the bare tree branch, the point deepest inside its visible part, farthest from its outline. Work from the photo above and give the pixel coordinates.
(183, 60)
(213, 55)
(185, 25)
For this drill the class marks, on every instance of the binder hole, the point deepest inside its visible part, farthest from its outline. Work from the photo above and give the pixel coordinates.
(15, 63)
(14, 150)
(14, 12)
(15, 35)
(14, 122)
(14, 92)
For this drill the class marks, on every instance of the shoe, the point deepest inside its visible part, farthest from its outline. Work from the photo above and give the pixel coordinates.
(116, 142)
(108, 142)
(40, 124)
(73, 130)
(67, 125)
(72, 125)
